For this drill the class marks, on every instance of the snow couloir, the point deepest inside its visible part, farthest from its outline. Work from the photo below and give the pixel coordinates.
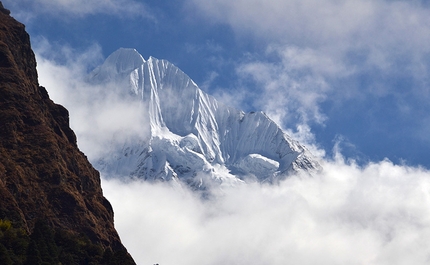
(192, 137)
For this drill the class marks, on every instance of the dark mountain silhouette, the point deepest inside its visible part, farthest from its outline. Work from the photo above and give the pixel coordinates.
(51, 201)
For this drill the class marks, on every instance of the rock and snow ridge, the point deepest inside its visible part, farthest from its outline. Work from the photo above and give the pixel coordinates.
(193, 137)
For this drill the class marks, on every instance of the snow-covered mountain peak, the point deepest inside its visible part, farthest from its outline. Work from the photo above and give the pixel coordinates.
(124, 60)
(194, 138)
(120, 62)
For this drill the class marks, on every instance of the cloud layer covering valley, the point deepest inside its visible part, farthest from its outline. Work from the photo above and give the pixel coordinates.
(378, 214)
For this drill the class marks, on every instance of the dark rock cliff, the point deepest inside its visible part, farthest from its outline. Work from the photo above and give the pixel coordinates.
(43, 175)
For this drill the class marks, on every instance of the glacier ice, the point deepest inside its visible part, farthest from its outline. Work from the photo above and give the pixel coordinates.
(193, 138)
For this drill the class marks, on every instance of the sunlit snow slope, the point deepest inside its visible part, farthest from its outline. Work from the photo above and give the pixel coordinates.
(193, 137)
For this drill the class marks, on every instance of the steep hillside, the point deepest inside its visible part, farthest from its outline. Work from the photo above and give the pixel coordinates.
(44, 178)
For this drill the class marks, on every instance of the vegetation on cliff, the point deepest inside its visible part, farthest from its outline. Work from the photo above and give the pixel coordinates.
(52, 207)
(48, 246)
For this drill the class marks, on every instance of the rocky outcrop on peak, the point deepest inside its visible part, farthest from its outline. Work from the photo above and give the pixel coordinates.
(4, 10)
(43, 174)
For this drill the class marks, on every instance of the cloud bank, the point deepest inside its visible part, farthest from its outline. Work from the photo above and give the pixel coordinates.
(377, 214)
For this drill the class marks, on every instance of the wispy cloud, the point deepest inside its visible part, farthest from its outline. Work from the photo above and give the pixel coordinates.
(123, 8)
(293, 86)
(329, 52)
(98, 113)
(336, 25)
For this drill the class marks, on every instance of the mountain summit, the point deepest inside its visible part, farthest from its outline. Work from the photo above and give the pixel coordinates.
(191, 136)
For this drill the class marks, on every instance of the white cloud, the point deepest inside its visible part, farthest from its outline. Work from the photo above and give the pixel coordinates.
(324, 23)
(98, 113)
(305, 137)
(290, 91)
(319, 51)
(378, 214)
(30, 8)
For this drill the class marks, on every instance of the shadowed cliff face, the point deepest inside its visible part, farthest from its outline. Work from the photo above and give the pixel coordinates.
(43, 175)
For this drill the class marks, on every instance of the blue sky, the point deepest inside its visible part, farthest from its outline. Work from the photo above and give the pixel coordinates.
(354, 72)
(349, 78)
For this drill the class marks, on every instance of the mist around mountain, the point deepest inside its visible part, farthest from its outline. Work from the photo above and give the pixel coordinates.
(187, 135)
